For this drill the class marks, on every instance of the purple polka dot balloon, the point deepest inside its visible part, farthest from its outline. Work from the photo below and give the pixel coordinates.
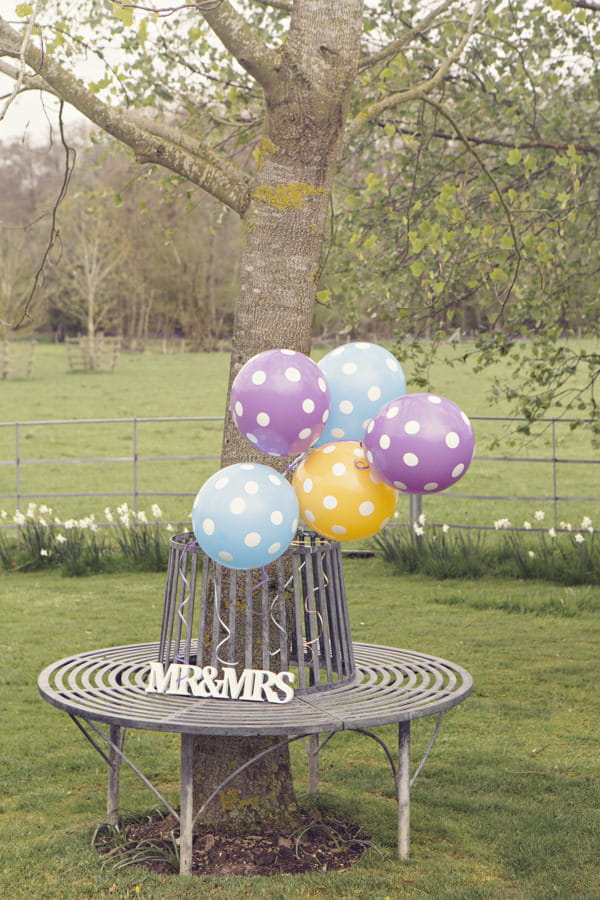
(420, 443)
(280, 402)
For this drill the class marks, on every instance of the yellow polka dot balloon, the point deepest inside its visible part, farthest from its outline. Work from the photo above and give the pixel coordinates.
(340, 496)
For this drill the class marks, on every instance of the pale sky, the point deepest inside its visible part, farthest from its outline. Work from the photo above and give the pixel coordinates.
(29, 114)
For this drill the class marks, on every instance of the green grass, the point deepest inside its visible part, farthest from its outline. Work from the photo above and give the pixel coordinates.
(155, 385)
(508, 805)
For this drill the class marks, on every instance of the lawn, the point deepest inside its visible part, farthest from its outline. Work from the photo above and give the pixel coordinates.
(507, 805)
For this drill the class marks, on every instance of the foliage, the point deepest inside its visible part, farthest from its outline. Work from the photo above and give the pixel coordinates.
(81, 546)
(567, 556)
(463, 212)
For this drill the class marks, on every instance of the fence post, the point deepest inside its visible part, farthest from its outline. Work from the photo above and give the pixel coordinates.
(18, 465)
(135, 466)
(554, 475)
(415, 509)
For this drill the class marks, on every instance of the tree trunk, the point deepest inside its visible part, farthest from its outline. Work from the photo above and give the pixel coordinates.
(306, 99)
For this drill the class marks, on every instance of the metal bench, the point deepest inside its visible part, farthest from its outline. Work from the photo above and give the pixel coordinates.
(373, 685)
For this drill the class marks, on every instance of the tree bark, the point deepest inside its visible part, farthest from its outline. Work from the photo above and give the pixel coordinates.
(307, 96)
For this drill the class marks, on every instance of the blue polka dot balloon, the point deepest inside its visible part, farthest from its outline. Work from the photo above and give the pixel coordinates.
(245, 516)
(362, 377)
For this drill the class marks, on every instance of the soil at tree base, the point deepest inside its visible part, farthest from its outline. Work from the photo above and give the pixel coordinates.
(321, 842)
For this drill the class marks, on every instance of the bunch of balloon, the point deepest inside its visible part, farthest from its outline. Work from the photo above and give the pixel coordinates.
(246, 515)
(341, 494)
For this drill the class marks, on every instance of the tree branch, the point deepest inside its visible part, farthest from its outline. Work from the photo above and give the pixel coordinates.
(420, 91)
(242, 41)
(192, 159)
(539, 144)
(395, 47)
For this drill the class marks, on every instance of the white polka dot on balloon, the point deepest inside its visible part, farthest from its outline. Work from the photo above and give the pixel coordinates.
(245, 516)
(424, 447)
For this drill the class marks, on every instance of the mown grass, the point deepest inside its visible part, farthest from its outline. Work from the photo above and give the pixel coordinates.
(508, 805)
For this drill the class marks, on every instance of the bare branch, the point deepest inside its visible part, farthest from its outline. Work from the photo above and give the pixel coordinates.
(585, 4)
(395, 47)
(419, 91)
(163, 12)
(540, 144)
(70, 156)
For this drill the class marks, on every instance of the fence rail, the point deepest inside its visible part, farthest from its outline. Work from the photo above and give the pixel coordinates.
(20, 455)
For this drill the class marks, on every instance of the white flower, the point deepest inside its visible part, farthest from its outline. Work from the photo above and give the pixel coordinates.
(43, 522)
(421, 519)
(44, 552)
(579, 538)
(31, 508)
(527, 526)
(142, 517)
(70, 523)
(170, 527)
(552, 532)
(108, 515)
(156, 511)
(501, 523)
(418, 530)
(566, 525)
(19, 518)
(124, 520)
(586, 522)
(45, 510)
(530, 553)
(60, 539)
(539, 515)
(3, 514)
(445, 529)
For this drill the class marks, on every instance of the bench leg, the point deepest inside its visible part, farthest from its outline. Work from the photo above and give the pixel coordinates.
(186, 817)
(117, 739)
(403, 790)
(313, 763)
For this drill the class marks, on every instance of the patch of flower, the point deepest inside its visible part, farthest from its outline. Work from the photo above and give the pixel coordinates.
(567, 554)
(78, 546)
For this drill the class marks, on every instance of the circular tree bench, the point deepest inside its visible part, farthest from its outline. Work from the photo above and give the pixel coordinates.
(364, 687)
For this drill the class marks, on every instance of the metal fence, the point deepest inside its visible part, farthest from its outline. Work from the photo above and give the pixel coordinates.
(549, 477)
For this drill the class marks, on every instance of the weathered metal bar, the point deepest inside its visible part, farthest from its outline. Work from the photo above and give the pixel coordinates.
(117, 738)
(403, 789)
(186, 822)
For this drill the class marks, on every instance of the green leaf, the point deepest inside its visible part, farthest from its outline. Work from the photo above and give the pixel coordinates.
(123, 13)
(324, 297)
(514, 156)
(23, 10)
(562, 6)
